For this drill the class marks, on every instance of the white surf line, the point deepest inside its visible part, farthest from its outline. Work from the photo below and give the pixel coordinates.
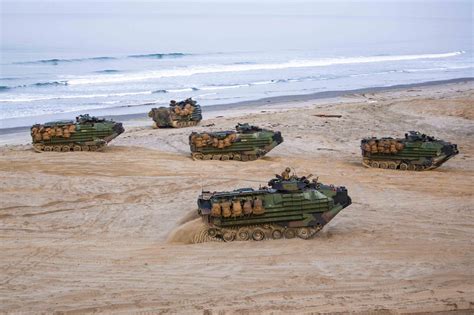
(120, 78)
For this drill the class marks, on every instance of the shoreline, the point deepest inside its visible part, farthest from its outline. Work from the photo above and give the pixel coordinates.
(269, 101)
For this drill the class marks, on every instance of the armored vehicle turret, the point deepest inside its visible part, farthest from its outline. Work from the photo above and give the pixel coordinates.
(87, 133)
(179, 114)
(415, 152)
(246, 143)
(289, 207)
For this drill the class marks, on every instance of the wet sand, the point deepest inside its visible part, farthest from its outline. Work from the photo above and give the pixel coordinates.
(86, 232)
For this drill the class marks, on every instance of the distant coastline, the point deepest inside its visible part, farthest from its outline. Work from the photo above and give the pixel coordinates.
(266, 101)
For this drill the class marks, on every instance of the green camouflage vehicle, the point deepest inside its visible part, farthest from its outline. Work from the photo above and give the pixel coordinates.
(246, 143)
(416, 152)
(290, 207)
(85, 134)
(179, 114)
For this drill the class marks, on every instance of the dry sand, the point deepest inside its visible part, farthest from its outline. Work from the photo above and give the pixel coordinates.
(87, 232)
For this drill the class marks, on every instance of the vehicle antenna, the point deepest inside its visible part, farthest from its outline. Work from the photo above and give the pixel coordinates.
(200, 180)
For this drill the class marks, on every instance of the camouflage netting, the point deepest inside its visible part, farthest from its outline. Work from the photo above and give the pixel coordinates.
(205, 139)
(236, 208)
(40, 132)
(383, 146)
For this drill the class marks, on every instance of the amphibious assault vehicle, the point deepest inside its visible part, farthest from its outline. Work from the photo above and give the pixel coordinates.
(246, 143)
(179, 114)
(290, 207)
(415, 152)
(85, 134)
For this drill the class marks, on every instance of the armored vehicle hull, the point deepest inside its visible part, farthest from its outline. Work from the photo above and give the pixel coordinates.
(415, 152)
(289, 208)
(179, 114)
(247, 143)
(85, 134)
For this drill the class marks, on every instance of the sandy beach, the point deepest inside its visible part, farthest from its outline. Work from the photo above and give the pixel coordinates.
(89, 232)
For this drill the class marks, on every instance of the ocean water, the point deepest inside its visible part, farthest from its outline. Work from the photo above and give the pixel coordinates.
(61, 58)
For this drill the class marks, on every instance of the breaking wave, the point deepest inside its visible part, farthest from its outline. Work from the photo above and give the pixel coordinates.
(216, 87)
(205, 88)
(53, 83)
(108, 71)
(82, 96)
(410, 71)
(56, 62)
(159, 56)
(160, 91)
(37, 84)
(436, 69)
(175, 90)
(193, 70)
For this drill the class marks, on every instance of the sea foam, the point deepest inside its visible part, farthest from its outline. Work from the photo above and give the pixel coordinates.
(192, 70)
